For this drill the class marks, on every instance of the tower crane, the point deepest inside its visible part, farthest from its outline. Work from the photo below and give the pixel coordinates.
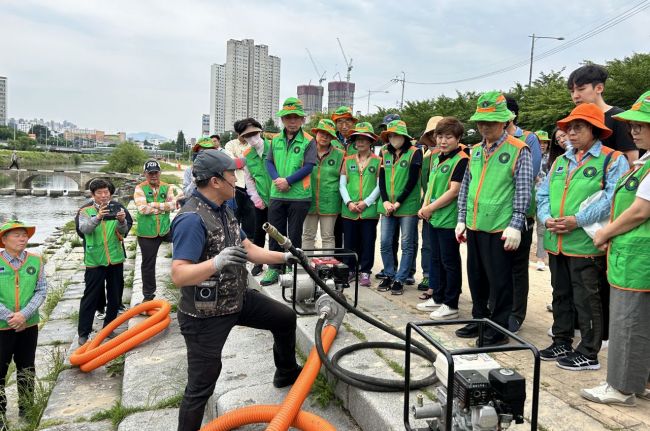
(347, 63)
(320, 75)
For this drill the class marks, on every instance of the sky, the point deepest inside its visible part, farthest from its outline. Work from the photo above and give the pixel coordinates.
(144, 65)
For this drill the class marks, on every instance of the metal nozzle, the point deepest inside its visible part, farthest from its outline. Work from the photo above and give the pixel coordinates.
(282, 240)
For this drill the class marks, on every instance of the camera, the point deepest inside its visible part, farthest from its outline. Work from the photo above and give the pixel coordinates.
(205, 295)
(113, 208)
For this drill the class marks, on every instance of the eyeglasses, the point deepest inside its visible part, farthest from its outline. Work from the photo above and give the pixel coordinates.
(576, 128)
(636, 128)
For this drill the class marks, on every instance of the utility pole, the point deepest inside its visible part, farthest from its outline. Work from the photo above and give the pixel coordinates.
(403, 81)
(532, 51)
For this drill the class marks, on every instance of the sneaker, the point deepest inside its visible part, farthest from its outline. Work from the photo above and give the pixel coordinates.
(257, 270)
(444, 312)
(541, 266)
(493, 340)
(410, 280)
(549, 307)
(385, 284)
(645, 395)
(270, 277)
(575, 361)
(122, 308)
(83, 339)
(286, 378)
(397, 288)
(428, 305)
(605, 394)
(604, 345)
(381, 275)
(514, 325)
(365, 279)
(468, 331)
(424, 284)
(100, 315)
(555, 351)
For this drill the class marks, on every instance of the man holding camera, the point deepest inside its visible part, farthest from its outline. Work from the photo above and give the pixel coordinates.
(209, 267)
(102, 224)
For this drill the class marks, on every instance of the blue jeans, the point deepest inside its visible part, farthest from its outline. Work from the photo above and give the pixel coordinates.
(408, 227)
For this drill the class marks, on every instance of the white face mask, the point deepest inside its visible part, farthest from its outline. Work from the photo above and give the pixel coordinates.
(396, 141)
(255, 141)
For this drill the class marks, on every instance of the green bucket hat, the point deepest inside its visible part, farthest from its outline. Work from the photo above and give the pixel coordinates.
(343, 112)
(640, 111)
(398, 127)
(363, 129)
(492, 106)
(203, 143)
(542, 135)
(15, 224)
(326, 125)
(292, 105)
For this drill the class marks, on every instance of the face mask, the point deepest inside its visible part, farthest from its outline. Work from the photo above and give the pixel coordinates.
(396, 141)
(255, 141)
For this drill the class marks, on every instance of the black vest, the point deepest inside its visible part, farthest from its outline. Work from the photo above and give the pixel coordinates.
(230, 283)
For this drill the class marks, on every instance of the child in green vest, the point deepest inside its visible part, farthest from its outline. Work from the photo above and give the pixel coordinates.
(440, 212)
(326, 201)
(628, 239)
(577, 266)
(360, 191)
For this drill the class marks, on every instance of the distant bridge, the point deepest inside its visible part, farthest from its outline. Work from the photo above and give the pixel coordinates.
(23, 177)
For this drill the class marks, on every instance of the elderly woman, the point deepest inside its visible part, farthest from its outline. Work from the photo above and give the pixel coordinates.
(22, 291)
(628, 273)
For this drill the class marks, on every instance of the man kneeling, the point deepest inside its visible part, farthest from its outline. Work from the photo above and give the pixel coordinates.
(209, 266)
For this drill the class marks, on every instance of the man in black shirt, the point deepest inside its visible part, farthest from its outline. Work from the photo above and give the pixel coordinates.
(586, 85)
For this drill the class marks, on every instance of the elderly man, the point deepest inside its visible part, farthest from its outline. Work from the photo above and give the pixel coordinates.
(22, 291)
(493, 214)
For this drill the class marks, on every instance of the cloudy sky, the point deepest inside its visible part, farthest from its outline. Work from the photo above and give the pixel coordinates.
(144, 65)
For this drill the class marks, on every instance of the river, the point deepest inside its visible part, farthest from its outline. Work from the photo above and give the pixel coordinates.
(44, 212)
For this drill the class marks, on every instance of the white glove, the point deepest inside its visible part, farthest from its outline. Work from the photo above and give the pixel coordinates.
(235, 255)
(290, 259)
(512, 238)
(460, 233)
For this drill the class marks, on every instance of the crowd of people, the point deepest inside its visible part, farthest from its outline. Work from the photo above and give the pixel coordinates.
(582, 189)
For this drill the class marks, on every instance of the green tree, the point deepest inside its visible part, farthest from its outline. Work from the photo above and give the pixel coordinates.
(270, 126)
(226, 137)
(628, 79)
(544, 102)
(7, 132)
(127, 157)
(41, 132)
(180, 142)
(168, 146)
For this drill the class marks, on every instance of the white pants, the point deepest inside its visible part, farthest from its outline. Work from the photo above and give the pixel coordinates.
(326, 230)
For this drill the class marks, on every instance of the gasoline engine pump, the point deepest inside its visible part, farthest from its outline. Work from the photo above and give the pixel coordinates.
(330, 270)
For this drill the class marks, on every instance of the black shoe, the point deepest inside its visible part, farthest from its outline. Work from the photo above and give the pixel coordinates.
(381, 275)
(575, 361)
(286, 378)
(83, 339)
(112, 335)
(257, 270)
(468, 331)
(424, 284)
(397, 288)
(493, 340)
(410, 280)
(385, 284)
(514, 324)
(555, 351)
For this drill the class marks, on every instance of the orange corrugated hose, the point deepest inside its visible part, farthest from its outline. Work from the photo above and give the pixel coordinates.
(287, 414)
(93, 354)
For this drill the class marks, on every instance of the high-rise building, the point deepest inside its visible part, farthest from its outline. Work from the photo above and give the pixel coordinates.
(205, 124)
(341, 93)
(312, 98)
(250, 86)
(3, 101)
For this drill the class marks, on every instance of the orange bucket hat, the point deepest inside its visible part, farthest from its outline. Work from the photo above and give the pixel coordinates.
(590, 113)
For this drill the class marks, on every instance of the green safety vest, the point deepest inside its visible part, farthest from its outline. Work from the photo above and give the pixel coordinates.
(337, 144)
(567, 190)
(17, 286)
(326, 198)
(288, 160)
(257, 168)
(428, 156)
(153, 225)
(492, 188)
(532, 207)
(360, 185)
(629, 253)
(438, 183)
(396, 174)
(103, 246)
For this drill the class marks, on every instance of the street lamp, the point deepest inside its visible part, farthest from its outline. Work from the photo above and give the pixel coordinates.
(532, 50)
(371, 92)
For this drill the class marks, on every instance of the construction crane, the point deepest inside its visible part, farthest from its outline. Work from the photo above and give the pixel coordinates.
(347, 63)
(320, 75)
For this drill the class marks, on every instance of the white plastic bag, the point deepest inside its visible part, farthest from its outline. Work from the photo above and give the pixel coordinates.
(594, 227)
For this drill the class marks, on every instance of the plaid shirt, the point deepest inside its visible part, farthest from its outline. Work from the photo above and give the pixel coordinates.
(144, 207)
(39, 292)
(523, 186)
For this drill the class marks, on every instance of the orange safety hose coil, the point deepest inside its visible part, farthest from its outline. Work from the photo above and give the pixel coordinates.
(281, 417)
(93, 354)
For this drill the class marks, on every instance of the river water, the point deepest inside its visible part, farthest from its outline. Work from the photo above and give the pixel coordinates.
(44, 212)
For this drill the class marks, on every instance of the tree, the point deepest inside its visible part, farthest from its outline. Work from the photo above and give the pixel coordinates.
(270, 126)
(544, 102)
(226, 137)
(168, 146)
(127, 157)
(628, 79)
(41, 132)
(180, 142)
(7, 132)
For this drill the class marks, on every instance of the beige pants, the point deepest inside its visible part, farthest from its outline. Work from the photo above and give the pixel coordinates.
(326, 231)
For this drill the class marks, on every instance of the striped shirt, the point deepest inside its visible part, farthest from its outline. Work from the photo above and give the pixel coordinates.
(145, 207)
(39, 292)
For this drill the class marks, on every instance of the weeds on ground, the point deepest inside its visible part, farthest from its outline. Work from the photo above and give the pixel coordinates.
(74, 317)
(118, 412)
(116, 366)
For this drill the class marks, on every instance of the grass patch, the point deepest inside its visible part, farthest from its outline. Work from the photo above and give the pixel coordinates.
(170, 179)
(69, 227)
(53, 297)
(168, 255)
(118, 412)
(133, 245)
(74, 317)
(128, 280)
(76, 242)
(360, 335)
(322, 392)
(116, 366)
(173, 294)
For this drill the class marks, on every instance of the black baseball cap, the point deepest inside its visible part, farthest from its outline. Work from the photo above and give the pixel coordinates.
(151, 166)
(211, 163)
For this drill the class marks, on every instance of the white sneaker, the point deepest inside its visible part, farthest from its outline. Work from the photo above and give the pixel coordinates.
(604, 345)
(605, 394)
(444, 313)
(99, 315)
(541, 266)
(576, 333)
(427, 305)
